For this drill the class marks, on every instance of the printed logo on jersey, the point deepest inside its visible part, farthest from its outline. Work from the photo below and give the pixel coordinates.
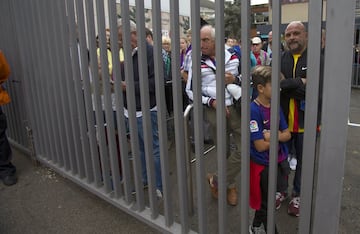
(254, 126)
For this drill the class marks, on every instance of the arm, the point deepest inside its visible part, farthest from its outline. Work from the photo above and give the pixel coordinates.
(188, 89)
(262, 145)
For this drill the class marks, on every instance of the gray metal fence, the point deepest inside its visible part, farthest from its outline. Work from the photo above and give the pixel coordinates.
(57, 104)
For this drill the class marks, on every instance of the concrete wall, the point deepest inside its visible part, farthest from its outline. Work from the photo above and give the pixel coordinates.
(295, 11)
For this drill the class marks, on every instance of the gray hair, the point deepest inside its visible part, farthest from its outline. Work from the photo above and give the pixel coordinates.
(211, 29)
(132, 25)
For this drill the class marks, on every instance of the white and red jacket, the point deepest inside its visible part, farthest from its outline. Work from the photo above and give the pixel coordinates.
(208, 78)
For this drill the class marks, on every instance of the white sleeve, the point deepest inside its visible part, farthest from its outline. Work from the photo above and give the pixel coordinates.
(188, 89)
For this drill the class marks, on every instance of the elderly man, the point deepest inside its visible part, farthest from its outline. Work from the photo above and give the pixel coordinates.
(139, 111)
(233, 123)
(292, 100)
(262, 58)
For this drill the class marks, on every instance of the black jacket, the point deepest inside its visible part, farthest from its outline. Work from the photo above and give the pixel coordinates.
(137, 79)
(293, 87)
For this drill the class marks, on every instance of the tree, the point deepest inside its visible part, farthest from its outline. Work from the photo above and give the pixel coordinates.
(232, 19)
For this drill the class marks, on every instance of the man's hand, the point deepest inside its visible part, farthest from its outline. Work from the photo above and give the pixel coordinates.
(229, 78)
(227, 111)
(266, 134)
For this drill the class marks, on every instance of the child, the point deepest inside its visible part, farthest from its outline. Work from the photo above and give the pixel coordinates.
(260, 145)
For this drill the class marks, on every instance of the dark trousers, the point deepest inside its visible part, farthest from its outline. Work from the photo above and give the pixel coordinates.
(282, 173)
(6, 168)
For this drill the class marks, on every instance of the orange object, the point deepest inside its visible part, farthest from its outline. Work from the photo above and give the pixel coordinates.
(4, 68)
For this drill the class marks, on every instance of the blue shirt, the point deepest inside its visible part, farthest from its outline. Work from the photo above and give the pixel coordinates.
(260, 121)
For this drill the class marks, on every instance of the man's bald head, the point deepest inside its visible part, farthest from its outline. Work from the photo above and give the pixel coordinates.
(296, 37)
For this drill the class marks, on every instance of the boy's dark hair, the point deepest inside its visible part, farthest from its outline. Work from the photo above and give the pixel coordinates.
(261, 75)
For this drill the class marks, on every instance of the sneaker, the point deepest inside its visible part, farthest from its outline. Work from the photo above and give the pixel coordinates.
(280, 197)
(294, 207)
(213, 183)
(159, 194)
(293, 163)
(232, 196)
(9, 180)
(256, 230)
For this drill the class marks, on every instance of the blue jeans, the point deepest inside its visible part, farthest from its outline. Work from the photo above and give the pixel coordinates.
(156, 149)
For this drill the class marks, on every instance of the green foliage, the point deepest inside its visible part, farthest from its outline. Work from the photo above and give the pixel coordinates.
(232, 19)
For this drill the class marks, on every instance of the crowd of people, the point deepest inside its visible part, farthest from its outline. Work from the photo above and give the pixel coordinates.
(292, 112)
(292, 102)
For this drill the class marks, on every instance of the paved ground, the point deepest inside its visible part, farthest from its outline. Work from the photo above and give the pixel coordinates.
(44, 202)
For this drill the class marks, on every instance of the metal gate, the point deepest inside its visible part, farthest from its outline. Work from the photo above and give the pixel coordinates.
(57, 111)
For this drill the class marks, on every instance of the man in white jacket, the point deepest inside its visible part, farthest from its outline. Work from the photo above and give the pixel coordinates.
(233, 123)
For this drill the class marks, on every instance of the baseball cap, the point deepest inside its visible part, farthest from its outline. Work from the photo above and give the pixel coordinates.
(256, 40)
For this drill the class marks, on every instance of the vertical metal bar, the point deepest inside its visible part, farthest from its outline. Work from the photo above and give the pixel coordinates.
(130, 94)
(20, 29)
(161, 105)
(28, 82)
(109, 115)
(119, 105)
(45, 86)
(198, 116)
(78, 96)
(145, 104)
(71, 130)
(105, 173)
(179, 120)
(59, 91)
(245, 114)
(274, 116)
(54, 83)
(114, 162)
(311, 114)
(221, 143)
(188, 169)
(85, 78)
(340, 17)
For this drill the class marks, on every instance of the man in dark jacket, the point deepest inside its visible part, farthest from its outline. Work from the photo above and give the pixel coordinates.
(292, 100)
(139, 109)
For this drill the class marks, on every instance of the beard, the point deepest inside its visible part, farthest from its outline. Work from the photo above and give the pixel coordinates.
(295, 47)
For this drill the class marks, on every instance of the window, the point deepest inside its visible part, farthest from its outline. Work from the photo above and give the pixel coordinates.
(261, 18)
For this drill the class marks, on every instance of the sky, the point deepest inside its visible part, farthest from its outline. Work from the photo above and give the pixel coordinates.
(257, 2)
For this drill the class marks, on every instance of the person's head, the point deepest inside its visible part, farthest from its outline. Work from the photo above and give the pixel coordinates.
(107, 34)
(256, 45)
(296, 37)
(183, 44)
(261, 78)
(230, 42)
(133, 36)
(188, 36)
(166, 44)
(270, 37)
(207, 40)
(149, 36)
